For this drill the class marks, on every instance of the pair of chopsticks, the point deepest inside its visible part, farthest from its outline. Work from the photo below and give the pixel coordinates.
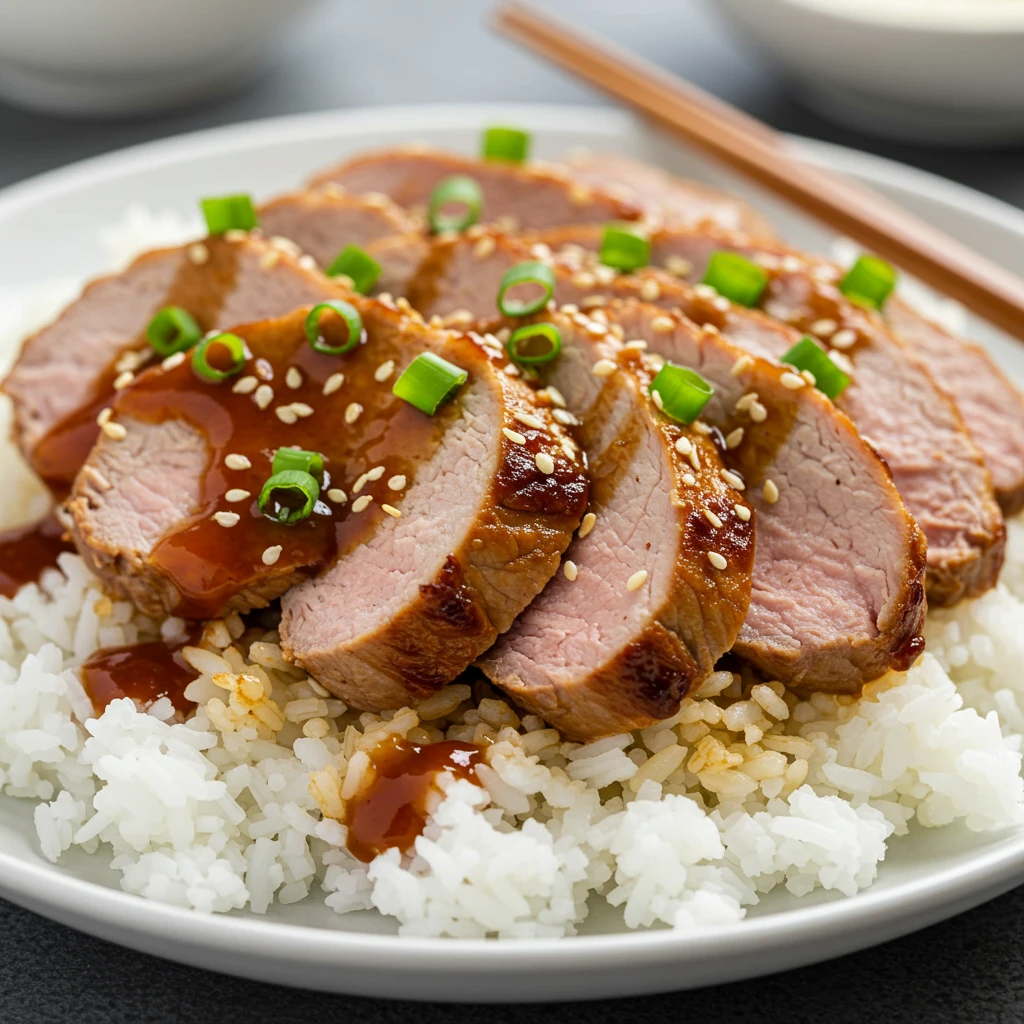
(758, 152)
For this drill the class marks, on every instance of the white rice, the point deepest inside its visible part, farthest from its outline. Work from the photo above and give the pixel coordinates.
(686, 824)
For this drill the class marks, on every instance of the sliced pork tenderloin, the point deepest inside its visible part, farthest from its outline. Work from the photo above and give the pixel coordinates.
(66, 373)
(430, 533)
(519, 196)
(656, 585)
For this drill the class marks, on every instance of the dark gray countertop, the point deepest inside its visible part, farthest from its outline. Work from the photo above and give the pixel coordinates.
(356, 53)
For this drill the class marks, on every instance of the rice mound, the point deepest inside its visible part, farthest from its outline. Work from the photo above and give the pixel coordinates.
(685, 824)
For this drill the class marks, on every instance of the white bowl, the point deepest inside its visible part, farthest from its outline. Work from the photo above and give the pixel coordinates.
(100, 57)
(949, 71)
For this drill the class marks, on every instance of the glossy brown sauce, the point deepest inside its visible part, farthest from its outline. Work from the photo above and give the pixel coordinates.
(393, 809)
(202, 289)
(145, 672)
(27, 551)
(210, 563)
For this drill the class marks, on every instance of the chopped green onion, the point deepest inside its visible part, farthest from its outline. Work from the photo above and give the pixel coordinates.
(736, 278)
(807, 354)
(869, 282)
(286, 459)
(229, 213)
(172, 330)
(231, 344)
(534, 343)
(428, 381)
(458, 190)
(683, 392)
(526, 274)
(624, 249)
(289, 497)
(357, 265)
(353, 327)
(509, 144)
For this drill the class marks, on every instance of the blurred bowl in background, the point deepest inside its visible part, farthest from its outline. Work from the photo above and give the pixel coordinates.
(935, 71)
(121, 57)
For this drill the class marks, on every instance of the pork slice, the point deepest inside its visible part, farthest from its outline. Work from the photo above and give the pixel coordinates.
(65, 373)
(894, 401)
(639, 615)
(526, 196)
(673, 201)
(323, 221)
(838, 596)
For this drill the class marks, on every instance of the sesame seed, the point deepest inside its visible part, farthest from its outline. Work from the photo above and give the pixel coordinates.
(301, 409)
(734, 438)
(513, 436)
(637, 343)
(637, 580)
(293, 378)
(237, 462)
(392, 511)
(744, 401)
(701, 427)
(684, 446)
(792, 264)
(712, 518)
(593, 301)
(844, 338)
(384, 371)
(722, 304)
(580, 194)
(544, 462)
(360, 503)
(264, 396)
(352, 412)
(114, 431)
(717, 560)
(236, 235)
(678, 265)
(226, 519)
(758, 413)
(285, 245)
(587, 525)
(809, 377)
(569, 308)
(771, 492)
(375, 474)
(842, 361)
(569, 449)
(732, 479)
(236, 494)
(286, 414)
(605, 275)
(397, 483)
(556, 396)
(597, 329)
(104, 416)
(570, 570)
(245, 385)
(694, 458)
(743, 512)
(689, 479)
(743, 363)
(270, 259)
(360, 483)
(337, 495)
(174, 361)
(824, 328)
(198, 253)
(657, 399)
(793, 381)
(484, 247)
(511, 370)
(661, 325)
(584, 279)
(272, 554)
(333, 383)
(603, 368)
(650, 290)
(123, 380)
(565, 417)
(307, 262)
(705, 291)
(528, 420)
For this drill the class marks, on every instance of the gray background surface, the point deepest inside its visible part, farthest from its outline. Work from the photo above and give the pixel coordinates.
(366, 52)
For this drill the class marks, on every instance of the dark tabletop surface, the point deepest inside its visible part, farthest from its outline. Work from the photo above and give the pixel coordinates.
(365, 52)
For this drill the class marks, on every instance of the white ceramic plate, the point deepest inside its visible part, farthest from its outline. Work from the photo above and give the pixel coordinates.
(48, 229)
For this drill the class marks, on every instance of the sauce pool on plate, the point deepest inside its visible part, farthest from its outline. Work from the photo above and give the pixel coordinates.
(26, 552)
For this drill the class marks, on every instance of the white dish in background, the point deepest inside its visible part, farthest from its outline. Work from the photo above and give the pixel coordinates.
(105, 57)
(927, 876)
(926, 72)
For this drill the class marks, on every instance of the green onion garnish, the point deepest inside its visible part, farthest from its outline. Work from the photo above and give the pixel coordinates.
(219, 346)
(353, 327)
(289, 497)
(428, 381)
(736, 278)
(539, 274)
(229, 213)
(458, 190)
(534, 343)
(807, 354)
(357, 265)
(288, 459)
(172, 330)
(624, 249)
(869, 282)
(683, 392)
(508, 144)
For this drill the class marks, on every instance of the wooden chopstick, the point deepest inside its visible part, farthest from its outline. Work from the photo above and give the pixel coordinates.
(755, 150)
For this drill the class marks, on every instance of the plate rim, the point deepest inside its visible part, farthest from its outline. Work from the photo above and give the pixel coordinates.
(873, 915)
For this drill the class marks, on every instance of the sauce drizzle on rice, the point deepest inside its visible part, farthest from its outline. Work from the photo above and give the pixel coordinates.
(27, 551)
(392, 809)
